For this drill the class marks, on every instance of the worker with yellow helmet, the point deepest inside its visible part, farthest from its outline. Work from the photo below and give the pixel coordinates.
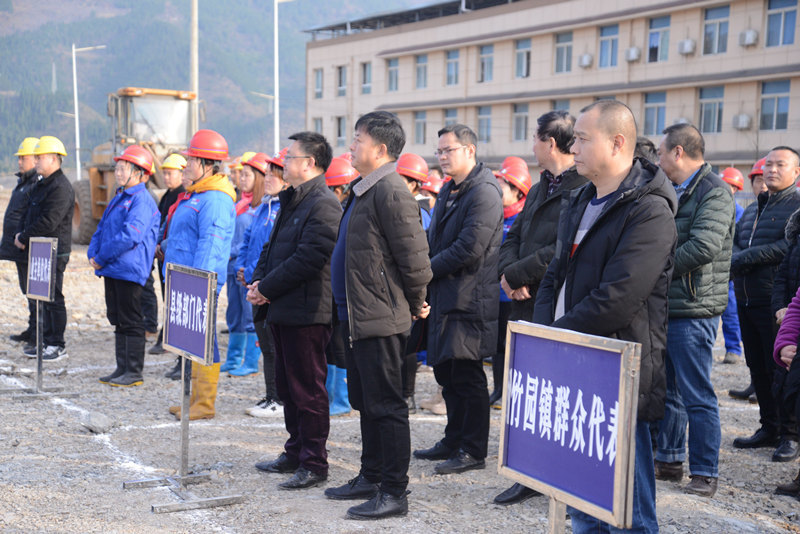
(49, 214)
(15, 212)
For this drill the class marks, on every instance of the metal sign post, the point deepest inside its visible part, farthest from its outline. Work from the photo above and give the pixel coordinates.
(569, 420)
(41, 281)
(189, 325)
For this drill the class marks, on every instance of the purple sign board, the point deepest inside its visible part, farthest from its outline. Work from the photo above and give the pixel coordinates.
(569, 415)
(41, 268)
(189, 318)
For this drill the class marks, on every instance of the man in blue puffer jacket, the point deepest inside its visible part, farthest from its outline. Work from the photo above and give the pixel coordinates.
(121, 251)
(199, 235)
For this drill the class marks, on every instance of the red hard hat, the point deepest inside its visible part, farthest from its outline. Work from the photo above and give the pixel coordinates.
(139, 156)
(734, 177)
(259, 161)
(433, 184)
(758, 168)
(340, 172)
(515, 171)
(412, 166)
(279, 159)
(207, 144)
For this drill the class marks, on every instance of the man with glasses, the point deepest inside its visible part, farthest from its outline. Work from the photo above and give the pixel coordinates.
(464, 237)
(293, 275)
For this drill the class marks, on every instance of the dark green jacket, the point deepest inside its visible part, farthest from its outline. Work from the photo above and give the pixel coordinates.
(705, 222)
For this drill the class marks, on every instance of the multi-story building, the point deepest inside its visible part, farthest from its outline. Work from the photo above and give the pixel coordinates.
(732, 68)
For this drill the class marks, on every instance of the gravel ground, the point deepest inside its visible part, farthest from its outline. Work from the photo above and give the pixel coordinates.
(57, 476)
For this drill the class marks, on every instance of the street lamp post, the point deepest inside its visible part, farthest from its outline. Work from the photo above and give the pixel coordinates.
(75, 100)
(277, 119)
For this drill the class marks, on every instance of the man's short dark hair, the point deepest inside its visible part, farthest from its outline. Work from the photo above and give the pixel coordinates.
(688, 137)
(315, 145)
(790, 149)
(558, 125)
(384, 128)
(645, 149)
(463, 133)
(617, 118)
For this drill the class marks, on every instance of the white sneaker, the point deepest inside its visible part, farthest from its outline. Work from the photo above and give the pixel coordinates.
(54, 353)
(266, 408)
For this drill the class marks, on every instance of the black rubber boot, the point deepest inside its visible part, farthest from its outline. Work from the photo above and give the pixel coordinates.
(134, 350)
(119, 353)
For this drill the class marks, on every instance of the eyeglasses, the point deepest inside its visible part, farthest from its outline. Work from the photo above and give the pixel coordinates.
(295, 157)
(447, 151)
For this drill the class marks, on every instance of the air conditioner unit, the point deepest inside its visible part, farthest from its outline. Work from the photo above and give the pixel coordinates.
(681, 120)
(632, 54)
(686, 47)
(742, 121)
(748, 38)
(585, 61)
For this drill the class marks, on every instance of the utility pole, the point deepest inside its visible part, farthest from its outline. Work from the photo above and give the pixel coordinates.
(194, 70)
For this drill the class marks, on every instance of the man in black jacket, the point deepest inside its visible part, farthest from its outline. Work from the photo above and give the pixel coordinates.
(15, 213)
(380, 270)
(464, 237)
(293, 275)
(611, 272)
(531, 241)
(758, 249)
(49, 214)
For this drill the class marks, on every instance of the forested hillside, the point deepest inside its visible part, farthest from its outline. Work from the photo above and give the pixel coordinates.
(147, 45)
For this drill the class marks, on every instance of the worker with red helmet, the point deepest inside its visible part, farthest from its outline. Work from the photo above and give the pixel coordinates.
(121, 251)
(431, 186)
(200, 232)
(414, 169)
(256, 236)
(338, 177)
(243, 354)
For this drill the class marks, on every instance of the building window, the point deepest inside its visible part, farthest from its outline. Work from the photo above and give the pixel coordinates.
(711, 109)
(520, 122)
(560, 104)
(715, 31)
(781, 20)
(658, 40)
(774, 105)
(522, 58)
(392, 74)
(655, 109)
(366, 78)
(485, 63)
(450, 116)
(419, 127)
(318, 124)
(564, 52)
(341, 131)
(484, 124)
(608, 46)
(341, 80)
(317, 83)
(451, 67)
(422, 71)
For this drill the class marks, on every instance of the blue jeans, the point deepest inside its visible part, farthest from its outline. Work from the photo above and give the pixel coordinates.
(644, 494)
(730, 324)
(239, 314)
(690, 397)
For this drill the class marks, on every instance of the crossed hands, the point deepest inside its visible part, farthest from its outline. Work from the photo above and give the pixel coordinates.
(521, 293)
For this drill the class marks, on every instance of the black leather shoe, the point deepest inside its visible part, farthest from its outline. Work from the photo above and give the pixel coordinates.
(514, 494)
(175, 372)
(439, 451)
(742, 394)
(672, 471)
(496, 399)
(787, 451)
(458, 463)
(356, 488)
(25, 336)
(281, 464)
(380, 506)
(302, 479)
(761, 438)
(790, 488)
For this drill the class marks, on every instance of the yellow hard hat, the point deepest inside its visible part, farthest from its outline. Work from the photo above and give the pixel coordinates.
(26, 146)
(246, 157)
(174, 161)
(49, 145)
